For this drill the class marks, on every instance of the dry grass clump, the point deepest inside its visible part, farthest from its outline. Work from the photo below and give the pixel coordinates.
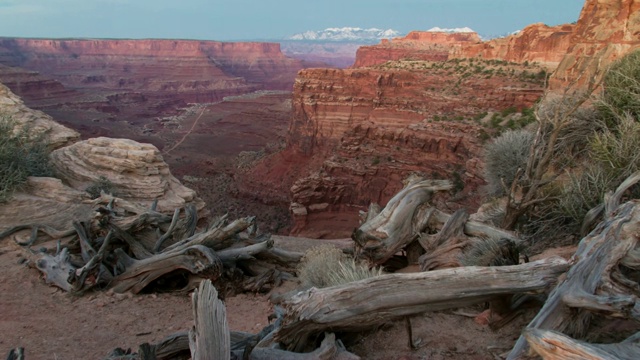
(326, 265)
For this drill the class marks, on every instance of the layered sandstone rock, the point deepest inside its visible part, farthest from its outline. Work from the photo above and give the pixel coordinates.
(327, 103)
(605, 31)
(417, 45)
(136, 170)
(546, 45)
(117, 87)
(12, 107)
(45, 201)
(369, 128)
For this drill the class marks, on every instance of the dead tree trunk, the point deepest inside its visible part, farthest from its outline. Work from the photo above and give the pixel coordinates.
(596, 282)
(553, 345)
(408, 217)
(209, 338)
(140, 273)
(362, 304)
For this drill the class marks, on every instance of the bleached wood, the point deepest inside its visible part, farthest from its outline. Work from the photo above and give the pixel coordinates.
(366, 303)
(209, 338)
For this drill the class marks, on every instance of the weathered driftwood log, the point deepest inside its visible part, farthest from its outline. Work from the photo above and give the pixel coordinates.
(444, 248)
(595, 283)
(399, 223)
(140, 273)
(209, 338)
(408, 217)
(56, 269)
(554, 345)
(366, 303)
(217, 238)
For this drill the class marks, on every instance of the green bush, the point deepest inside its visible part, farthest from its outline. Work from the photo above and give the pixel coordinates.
(22, 154)
(100, 185)
(326, 265)
(621, 90)
(503, 157)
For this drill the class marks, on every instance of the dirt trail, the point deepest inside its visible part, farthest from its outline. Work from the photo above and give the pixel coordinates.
(188, 132)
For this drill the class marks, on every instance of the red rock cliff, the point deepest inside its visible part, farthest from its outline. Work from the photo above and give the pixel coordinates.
(370, 127)
(137, 63)
(417, 45)
(605, 31)
(540, 43)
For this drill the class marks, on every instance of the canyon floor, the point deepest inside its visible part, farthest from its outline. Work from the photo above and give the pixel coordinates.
(51, 324)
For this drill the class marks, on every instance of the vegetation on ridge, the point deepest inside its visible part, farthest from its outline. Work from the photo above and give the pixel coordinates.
(578, 153)
(22, 154)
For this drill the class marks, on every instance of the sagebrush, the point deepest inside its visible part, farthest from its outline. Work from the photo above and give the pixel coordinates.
(102, 184)
(23, 153)
(326, 265)
(503, 157)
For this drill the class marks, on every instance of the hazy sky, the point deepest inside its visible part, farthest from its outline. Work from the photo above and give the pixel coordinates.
(268, 19)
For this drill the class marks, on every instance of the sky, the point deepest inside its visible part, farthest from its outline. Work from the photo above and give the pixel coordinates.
(268, 19)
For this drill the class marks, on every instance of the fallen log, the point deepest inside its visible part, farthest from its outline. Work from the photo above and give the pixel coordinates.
(554, 345)
(360, 305)
(399, 223)
(140, 273)
(596, 283)
(408, 217)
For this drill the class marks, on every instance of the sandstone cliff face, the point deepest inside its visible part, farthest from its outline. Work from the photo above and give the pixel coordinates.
(153, 64)
(369, 128)
(37, 121)
(327, 103)
(137, 171)
(539, 43)
(101, 86)
(417, 45)
(605, 31)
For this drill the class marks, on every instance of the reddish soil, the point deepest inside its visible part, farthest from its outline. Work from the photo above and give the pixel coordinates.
(51, 324)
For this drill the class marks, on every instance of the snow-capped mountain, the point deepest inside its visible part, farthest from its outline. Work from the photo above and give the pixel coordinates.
(346, 34)
(454, 30)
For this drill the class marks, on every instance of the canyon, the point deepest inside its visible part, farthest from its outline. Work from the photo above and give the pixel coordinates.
(307, 145)
(422, 103)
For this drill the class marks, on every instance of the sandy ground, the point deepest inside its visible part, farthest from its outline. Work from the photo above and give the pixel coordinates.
(51, 324)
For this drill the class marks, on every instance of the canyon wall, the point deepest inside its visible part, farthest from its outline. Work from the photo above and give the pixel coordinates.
(357, 133)
(106, 87)
(407, 105)
(540, 43)
(546, 45)
(605, 31)
(417, 45)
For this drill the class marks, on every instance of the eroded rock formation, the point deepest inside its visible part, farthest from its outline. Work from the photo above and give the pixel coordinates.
(13, 107)
(417, 45)
(136, 170)
(605, 31)
(387, 117)
(546, 45)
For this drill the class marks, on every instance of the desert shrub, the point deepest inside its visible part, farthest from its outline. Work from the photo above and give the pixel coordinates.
(614, 154)
(326, 265)
(100, 185)
(22, 154)
(503, 157)
(621, 90)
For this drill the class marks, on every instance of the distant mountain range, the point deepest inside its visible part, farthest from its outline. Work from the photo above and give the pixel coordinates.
(347, 34)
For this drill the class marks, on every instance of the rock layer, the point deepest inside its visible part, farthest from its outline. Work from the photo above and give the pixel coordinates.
(605, 31)
(13, 108)
(136, 170)
(417, 45)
